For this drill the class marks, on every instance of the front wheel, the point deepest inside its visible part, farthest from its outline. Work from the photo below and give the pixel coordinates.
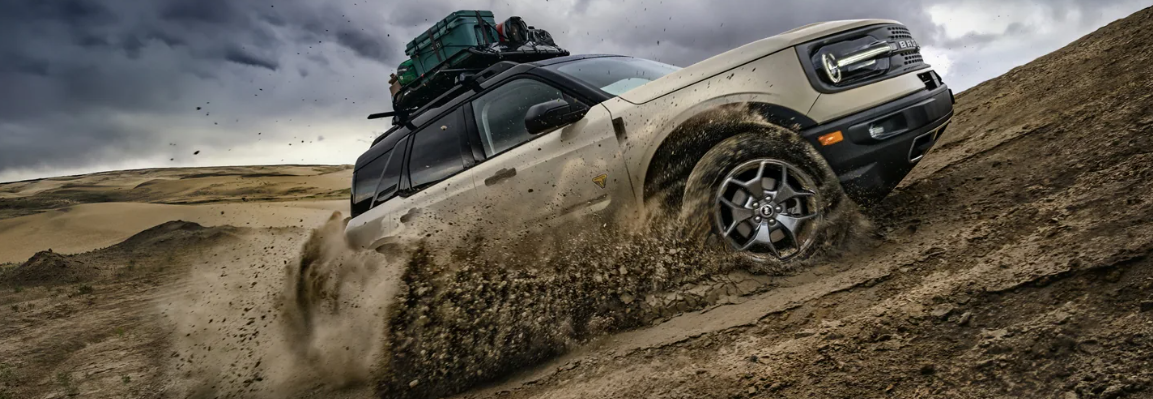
(763, 195)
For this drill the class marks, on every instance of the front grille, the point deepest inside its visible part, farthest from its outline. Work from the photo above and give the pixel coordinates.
(898, 32)
(905, 56)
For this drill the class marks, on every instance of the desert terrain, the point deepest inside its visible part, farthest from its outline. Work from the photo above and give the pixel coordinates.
(1013, 262)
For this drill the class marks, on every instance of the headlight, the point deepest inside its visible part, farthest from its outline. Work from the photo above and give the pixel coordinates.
(832, 69)
(853, 60)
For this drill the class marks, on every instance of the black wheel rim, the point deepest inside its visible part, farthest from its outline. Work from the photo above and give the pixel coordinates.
(767, 208)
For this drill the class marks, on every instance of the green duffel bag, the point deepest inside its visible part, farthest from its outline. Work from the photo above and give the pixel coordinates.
(446, 43)
(406, 73)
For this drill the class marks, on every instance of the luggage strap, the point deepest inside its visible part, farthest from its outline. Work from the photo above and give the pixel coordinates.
(483, 24)
(434, 44)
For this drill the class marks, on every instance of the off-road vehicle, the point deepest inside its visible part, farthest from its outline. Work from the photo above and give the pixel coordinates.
(755, 145)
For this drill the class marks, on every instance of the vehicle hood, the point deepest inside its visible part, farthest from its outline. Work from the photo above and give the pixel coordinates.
(741, 55)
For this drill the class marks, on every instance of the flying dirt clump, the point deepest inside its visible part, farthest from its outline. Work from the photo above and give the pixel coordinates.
(432, 320)
(465, 316)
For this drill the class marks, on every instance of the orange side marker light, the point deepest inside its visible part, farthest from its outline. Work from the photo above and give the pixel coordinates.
(831, 138)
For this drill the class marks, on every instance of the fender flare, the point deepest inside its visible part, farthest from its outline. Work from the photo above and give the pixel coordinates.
(677, 152)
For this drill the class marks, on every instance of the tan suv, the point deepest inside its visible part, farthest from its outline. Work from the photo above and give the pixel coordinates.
(754, 145)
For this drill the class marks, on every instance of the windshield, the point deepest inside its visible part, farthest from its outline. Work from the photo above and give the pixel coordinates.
(615, 75)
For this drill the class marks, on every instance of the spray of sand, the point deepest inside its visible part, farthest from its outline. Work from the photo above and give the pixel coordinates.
(278, 315)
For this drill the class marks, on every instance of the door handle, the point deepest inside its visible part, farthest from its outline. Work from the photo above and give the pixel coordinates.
(499, 176)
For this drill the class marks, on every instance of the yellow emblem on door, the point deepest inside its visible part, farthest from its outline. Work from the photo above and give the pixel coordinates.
(601, 180)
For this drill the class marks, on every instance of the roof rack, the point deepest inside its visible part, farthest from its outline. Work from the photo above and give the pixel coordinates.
(464, 81)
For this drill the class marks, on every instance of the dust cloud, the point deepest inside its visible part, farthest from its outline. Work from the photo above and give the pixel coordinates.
(319, 326)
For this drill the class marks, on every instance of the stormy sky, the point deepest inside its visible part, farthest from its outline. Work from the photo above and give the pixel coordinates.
(91, 85)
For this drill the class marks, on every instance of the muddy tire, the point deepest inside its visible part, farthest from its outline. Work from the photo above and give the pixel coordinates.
(765, 196)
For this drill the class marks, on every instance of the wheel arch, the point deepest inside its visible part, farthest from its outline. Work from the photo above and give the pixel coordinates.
(696, 132)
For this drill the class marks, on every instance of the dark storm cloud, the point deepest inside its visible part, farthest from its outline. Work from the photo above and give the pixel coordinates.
(83, 79)
(87, 83)
(215, 12)
(240, 56)
(71, 12)
(364, 44)
(690, 31)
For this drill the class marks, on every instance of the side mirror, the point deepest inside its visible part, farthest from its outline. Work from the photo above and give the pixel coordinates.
(553, 114)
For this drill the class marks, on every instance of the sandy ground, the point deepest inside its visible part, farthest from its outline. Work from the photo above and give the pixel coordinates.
(1013, 262)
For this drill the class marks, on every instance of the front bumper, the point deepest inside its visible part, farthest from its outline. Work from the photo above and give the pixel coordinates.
(869, 168)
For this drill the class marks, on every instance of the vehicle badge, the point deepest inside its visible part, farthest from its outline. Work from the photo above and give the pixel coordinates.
(601, 180)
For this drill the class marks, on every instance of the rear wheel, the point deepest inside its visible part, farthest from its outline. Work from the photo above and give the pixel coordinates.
(763, 196)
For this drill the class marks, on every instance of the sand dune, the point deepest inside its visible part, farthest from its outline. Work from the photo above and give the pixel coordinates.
(73, 214)
(91, 226)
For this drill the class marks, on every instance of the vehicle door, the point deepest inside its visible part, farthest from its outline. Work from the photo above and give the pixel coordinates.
(540, 179)
(428, 191)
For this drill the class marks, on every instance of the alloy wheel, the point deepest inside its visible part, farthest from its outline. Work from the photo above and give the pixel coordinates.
(767, 208)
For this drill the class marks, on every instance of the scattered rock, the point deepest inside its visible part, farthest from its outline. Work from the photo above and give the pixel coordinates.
(927, 369)
(1113, 391)
(804, 333)
(942, 311)
(1146, 306)
(569, 366)
(1113, 276)
(965, 319)
(830, 323)
(889, 346)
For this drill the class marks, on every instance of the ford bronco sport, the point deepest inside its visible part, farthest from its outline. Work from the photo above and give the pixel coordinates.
(744, 143)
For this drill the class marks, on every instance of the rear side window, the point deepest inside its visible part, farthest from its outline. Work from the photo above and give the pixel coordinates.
(364, 182)
(436, 150)
(390, 182)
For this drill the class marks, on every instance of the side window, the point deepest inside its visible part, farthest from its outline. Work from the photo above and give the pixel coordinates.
(365, 181)
(366, 178)
(500, 113)
(436, 150)
(391, 180)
